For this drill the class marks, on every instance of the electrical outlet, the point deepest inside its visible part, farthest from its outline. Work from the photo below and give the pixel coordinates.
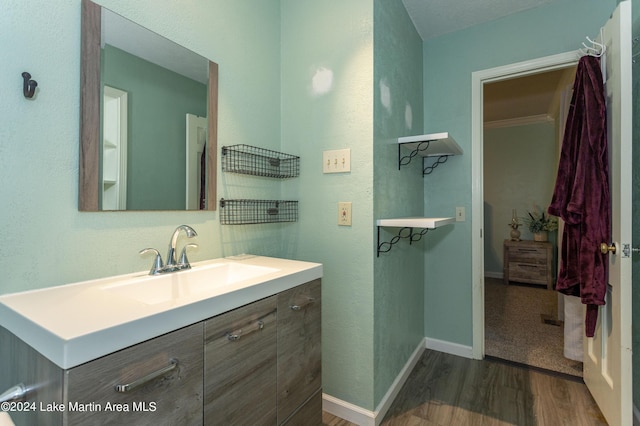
(344, 213)
(460, 214)
(336, 161)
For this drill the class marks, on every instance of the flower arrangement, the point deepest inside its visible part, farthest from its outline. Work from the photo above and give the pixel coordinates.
(538, 222)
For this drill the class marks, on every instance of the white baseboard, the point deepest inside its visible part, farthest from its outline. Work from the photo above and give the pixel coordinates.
(363, 417)
(347, 411)
(448, 347)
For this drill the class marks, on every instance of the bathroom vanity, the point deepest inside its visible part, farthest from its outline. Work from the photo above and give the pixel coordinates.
(136, 349)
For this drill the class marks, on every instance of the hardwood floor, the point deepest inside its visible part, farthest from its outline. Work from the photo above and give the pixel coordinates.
(447, 390)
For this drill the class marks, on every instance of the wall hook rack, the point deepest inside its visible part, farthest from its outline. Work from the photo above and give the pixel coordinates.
(29, 86)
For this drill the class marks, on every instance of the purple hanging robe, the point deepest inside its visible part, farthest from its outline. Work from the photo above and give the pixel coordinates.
(581, 195)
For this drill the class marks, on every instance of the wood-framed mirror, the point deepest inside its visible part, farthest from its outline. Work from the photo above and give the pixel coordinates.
(121, 130)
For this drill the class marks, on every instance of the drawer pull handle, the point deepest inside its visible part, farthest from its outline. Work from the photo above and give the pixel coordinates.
(173, 363)
(16, 393)
(236, 335)
(299, 307)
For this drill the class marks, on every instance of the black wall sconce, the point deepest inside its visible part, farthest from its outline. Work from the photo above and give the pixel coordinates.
(29, 86)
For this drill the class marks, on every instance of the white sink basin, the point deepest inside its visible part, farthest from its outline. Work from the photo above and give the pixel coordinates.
(78, 322)
(190, 283)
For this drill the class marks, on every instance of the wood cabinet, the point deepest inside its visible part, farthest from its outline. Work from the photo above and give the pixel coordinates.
(299, 353)
(155, 382)
(528, 262)
(240, 366)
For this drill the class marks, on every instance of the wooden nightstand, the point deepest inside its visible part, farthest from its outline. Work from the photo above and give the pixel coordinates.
(528, 262)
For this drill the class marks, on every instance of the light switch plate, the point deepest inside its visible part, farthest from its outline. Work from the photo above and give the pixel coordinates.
(336, 161)
(460, 214)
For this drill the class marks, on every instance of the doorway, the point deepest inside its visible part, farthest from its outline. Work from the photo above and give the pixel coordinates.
(523, 119)
(479, 80)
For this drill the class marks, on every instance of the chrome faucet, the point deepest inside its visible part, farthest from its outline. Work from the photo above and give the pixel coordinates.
(172, 265)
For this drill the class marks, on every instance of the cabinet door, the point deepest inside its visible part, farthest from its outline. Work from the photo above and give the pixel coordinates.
(309, 414)
(164, 378)
(299, 348)
(240, 366)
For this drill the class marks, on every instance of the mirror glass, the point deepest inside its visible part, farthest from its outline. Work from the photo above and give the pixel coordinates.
(149, 112)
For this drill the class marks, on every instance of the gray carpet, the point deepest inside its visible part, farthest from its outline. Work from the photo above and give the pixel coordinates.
(516, 330)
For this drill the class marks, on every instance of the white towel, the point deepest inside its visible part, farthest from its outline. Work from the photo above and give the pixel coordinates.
(573, 327)
(5, 419)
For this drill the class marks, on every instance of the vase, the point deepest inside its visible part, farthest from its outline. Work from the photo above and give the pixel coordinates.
(515, 234)
(540, 236)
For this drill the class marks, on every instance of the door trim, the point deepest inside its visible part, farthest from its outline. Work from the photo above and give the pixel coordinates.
(478, 79)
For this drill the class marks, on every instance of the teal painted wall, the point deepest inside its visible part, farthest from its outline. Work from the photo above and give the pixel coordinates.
(520, 167)
(46, 241)
(327, 103)
(159, 100)
(398, 274)
(449, 61)
(635, 10)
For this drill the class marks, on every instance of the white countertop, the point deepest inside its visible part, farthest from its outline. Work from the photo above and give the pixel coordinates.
(416, 222)
(76, 323)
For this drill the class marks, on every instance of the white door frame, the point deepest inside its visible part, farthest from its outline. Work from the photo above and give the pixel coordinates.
(478, 79)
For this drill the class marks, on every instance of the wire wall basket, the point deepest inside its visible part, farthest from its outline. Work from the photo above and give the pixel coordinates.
(243, 212)
(250, 160)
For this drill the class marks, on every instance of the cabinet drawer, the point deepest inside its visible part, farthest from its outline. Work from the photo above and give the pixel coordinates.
(240, 366)
(527, 272)
(173, 397)
(528, 255)
(299, 347)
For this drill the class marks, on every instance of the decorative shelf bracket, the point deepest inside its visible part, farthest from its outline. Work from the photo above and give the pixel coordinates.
(437, 145)
(386, 246)
(427, 170)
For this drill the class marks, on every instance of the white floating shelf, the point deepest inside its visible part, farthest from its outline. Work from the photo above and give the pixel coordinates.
(416, 222)
(439, 144)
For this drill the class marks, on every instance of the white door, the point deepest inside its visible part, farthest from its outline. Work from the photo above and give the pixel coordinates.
(196, 139)
(607, 356)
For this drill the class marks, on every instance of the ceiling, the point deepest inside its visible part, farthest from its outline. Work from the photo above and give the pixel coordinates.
(436, 17)
(508, 101)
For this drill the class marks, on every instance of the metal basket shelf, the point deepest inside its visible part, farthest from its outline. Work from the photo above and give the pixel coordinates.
(244, 212)
(250, 160)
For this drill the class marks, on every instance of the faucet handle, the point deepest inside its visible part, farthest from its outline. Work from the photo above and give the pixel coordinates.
(157, 266)
(184, 262)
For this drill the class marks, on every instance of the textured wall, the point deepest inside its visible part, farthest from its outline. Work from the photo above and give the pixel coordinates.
(520, 165)
(399, 287)
(327, 103)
